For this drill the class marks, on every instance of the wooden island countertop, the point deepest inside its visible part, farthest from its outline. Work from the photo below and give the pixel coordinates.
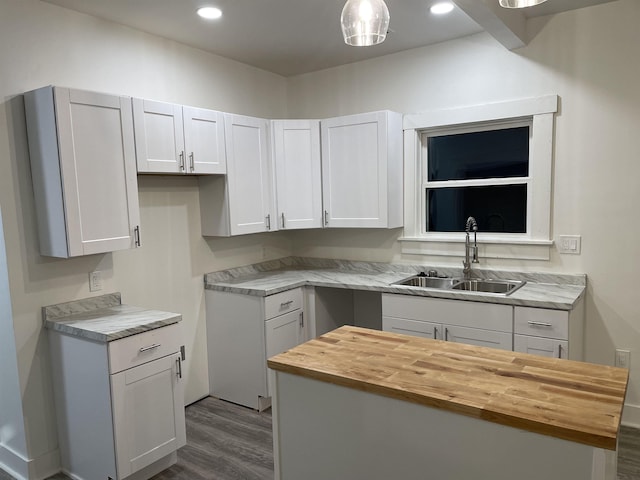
(575, 401)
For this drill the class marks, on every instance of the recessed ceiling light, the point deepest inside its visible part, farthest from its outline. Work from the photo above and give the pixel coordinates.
(209, 13)
(441, 8)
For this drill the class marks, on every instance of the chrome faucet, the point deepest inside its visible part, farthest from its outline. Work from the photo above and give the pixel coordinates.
(472, 225)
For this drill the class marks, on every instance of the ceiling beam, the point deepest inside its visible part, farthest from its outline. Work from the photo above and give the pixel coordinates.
(506, 25)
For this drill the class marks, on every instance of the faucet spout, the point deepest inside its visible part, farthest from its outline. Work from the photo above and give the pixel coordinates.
(471, 225)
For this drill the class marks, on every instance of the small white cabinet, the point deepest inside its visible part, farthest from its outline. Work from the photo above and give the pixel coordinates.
(81, 146)
(362, 170)
(296, 158)
(552, 333)
(240, 202)
(119, 405)
(475, 323)
(178, 139)
(243, 331)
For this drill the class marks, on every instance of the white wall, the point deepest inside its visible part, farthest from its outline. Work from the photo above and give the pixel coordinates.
(42, 44)
(589, 57)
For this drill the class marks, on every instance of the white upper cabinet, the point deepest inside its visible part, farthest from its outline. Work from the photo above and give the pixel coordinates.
(240, 202)
(81, 146)
(362, 170)
(175, 139)
(296, 157)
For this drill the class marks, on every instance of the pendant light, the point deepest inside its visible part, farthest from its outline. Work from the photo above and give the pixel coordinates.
(520, 3)
(364, 22)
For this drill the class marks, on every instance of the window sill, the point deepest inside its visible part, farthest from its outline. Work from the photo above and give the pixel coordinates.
(493, 247)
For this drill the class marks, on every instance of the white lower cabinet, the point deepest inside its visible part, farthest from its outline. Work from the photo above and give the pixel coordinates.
(119, 405)
(547, 347)
(243, 331)
(475, 323)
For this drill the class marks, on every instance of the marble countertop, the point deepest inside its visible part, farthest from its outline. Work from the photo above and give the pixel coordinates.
(104, 318)
(555, 291)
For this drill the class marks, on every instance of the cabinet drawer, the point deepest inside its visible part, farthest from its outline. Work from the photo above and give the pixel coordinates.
(144, 347)
(547, 347)
(541, 322)
(282, 302)
(487, 316)
(416, 328)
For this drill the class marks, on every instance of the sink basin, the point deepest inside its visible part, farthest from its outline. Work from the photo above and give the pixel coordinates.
(428, 282)
(488, 286)
(501, 287)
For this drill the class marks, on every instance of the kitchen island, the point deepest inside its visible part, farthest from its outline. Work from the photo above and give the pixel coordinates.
(362, 404)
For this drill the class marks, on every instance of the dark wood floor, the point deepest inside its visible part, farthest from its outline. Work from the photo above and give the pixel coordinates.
(229, 442)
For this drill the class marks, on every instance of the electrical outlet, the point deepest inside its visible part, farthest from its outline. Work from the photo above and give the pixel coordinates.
(95, 281)
(569, 244)
(623, 357)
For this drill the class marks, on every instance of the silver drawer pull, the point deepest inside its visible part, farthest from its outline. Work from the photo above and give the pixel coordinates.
(539, 324)
(150, 347)
(286, 304)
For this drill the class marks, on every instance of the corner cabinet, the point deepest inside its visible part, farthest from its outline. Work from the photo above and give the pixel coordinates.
(83, 169)
(178, 139)
(260, 327)
(362, 170)
(240, 202)
(120, 404)
(298, 182)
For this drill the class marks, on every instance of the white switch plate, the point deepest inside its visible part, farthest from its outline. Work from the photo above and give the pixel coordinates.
(623, 357)
(95, 281)
(569, 244)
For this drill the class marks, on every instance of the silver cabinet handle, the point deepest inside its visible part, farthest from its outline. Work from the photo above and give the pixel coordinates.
(192, 165)
(435, 333)
(150, 347)
(539, 324)
(446, 334)
(286, 304)
(326, 217)
(559, 350)
(136, 236)
(179, 367)
(181, 156)
(268, 219)
(301, 320)
(282, 219)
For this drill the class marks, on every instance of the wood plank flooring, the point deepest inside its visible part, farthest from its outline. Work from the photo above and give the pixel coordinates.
(229, 442)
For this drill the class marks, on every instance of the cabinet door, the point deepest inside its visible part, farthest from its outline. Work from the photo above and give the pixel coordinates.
(148, 413)
(476, 336)
(296, 147)
(159, 137)
(412, 327)
(248, 174)
(354, 170)
(547, 347)
(97, 163)
(283, 332)
(204, 141)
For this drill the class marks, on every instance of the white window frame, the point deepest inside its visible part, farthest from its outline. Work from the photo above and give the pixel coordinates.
(536, 242)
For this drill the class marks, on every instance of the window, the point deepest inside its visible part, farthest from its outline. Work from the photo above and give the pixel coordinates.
(481, 172)
(492, 162)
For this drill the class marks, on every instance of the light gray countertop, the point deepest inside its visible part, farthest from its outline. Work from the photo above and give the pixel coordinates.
(555, 291)
(104, 318)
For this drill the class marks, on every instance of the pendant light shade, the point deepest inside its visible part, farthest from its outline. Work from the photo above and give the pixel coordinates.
(364, 22)
(520, 3)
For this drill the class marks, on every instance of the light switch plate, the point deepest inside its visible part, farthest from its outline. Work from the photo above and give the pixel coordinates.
(95, 281)
(569, 244)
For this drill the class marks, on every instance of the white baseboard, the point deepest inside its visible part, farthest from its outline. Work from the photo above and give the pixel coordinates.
(34, 469)
(631, 415)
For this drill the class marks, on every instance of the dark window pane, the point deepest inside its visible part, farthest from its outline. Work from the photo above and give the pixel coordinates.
(490, 154)
(499, 208)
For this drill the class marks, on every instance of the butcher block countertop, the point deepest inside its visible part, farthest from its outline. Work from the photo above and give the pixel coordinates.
(575, 401)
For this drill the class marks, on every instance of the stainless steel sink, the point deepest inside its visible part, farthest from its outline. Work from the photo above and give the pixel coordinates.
(501, 287)
(488, 286)
(428, 282)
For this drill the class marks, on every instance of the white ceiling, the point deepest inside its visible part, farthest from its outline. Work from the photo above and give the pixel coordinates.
(290, 37)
